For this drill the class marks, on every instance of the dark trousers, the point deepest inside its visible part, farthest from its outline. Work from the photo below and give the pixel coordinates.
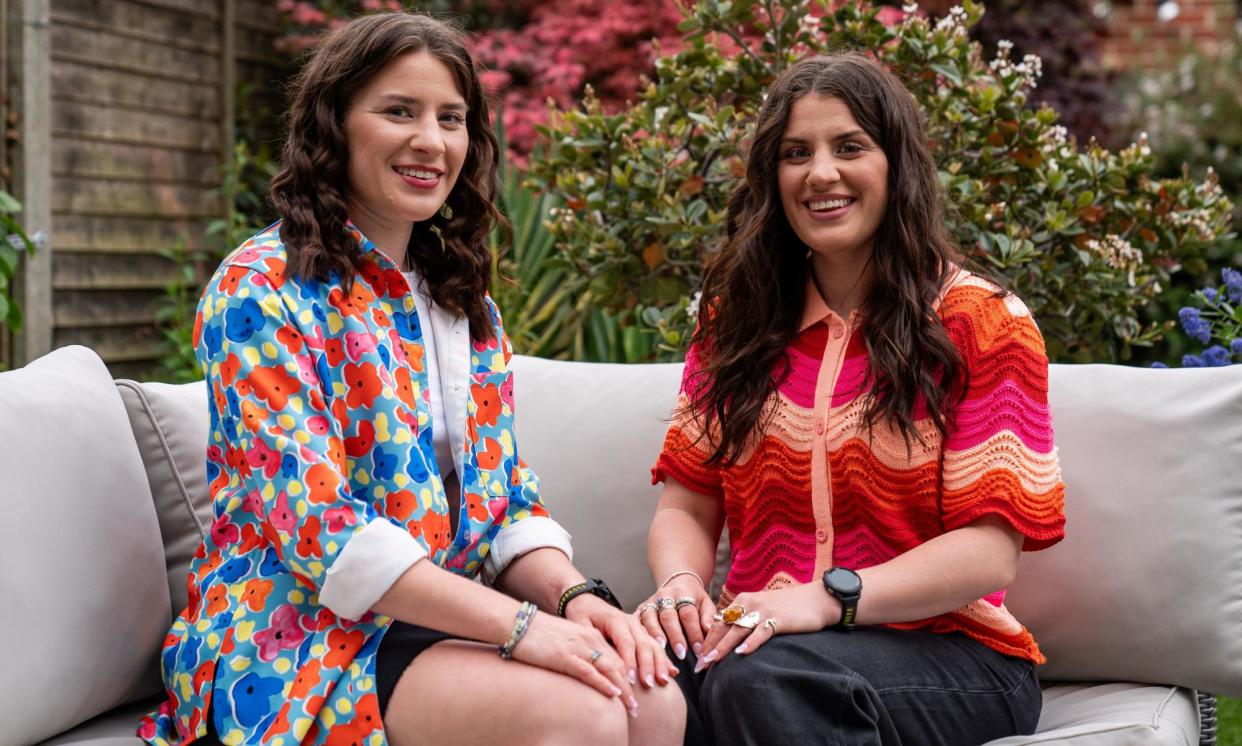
(868, 686)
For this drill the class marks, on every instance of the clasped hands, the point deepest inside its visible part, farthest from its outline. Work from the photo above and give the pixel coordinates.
(683, 613)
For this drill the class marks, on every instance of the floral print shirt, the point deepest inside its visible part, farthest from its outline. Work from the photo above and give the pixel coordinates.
(324, 481)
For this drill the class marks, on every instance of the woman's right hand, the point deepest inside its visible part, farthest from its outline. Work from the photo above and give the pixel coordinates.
(565, 647)
(680, 612)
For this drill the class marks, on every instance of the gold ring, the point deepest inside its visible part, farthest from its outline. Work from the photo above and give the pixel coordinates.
(732, 614)
(684, 601)
(770, 623)
(595, 655)
(663, 603)
(749, 621)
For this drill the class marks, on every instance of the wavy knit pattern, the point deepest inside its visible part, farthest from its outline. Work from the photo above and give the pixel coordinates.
(870, 499)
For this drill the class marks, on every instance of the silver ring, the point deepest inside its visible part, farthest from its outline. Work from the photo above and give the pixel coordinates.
(646, 606)
(595, 655)
(770, 623)
(684, 601)
(663, 603)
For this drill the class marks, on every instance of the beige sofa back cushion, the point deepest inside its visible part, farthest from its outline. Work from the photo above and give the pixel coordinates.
(170, 425)
(1147, 585)
(85, 603)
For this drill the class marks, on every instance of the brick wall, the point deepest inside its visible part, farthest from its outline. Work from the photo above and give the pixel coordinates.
(1138, 38)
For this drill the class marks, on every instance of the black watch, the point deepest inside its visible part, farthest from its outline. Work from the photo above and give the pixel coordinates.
(594, 586)
(846, 586)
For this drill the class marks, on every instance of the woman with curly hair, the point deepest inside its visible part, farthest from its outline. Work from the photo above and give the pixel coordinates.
(870, 421)
(362, 459)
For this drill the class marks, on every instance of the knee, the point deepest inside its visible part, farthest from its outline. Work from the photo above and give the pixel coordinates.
(736, 681)
(661, 716)
(586, 716)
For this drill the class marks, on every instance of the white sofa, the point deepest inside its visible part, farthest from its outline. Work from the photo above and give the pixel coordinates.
(103, 494)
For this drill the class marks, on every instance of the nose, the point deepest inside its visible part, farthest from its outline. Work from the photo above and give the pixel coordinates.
(427, 137)
(823, 171)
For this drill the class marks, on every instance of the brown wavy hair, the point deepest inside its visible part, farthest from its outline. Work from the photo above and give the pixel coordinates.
(449, 250)
(756, 282)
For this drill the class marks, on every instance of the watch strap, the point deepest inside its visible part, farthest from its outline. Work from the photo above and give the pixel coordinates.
(594, 586)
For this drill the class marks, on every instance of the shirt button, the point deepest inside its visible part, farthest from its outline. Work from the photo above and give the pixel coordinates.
(821, 536)
(819, 426)
(838, 333)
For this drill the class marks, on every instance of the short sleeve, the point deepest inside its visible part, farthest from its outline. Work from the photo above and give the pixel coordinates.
(684, 454)
(999, 457)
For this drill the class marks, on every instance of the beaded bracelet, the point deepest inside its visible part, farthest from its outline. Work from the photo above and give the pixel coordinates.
(521, 623)
(691, 573)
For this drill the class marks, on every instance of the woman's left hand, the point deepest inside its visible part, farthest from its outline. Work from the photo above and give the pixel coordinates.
(644, 656)
(801, 608)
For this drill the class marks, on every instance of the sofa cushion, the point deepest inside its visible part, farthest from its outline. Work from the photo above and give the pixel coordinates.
(591, 432)
(1114, 715)
(86, 604)
(170, 427)
(114, 728)
(1147, 585)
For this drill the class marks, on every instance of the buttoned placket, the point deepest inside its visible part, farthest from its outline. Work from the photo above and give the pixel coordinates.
(831, 362)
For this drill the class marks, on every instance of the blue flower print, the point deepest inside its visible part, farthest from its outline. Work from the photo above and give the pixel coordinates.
(234, 570)
(213, 338)
(415, 467)
(241, 323)
(251, 697)
(407, 325)
(384, 465)
(288, 466)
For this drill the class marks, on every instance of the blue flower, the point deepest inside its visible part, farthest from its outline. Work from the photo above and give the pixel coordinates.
(1194, 324)
(1158, 364)
(1210, 295)
(1192, 361)
(1236, 346)
(1216, 356)
(1233, 283)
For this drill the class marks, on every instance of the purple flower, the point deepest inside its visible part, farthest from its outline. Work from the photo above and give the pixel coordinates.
(1158, 364)
(1233, 283)
(1216, 356)
(1194, 324)
(1236, 346)
(1209, 295)
(1192, 361)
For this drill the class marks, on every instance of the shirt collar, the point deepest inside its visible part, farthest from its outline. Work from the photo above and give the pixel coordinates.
(815, 309)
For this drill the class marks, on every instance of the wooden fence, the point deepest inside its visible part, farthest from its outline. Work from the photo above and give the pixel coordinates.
(124, 115)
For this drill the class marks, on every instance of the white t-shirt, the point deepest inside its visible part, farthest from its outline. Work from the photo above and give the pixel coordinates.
(439, 353)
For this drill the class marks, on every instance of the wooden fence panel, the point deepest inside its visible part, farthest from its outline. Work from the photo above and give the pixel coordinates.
(139, 93)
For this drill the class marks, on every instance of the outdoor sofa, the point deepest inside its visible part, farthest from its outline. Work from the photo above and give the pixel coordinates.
(103, 496)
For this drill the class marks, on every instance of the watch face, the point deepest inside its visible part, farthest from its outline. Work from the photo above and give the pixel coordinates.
(844, 581)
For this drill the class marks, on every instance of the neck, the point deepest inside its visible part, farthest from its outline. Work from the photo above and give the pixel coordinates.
(392, 239)
(843, 281)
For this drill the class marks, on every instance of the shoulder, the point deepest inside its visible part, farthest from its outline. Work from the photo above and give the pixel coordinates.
(980, 315)
(259, 266)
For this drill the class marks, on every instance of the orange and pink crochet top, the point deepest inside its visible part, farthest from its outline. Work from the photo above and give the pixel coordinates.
(817, 490)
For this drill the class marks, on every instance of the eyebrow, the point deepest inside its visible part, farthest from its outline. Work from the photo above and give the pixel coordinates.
(842, 136)
(400, 99)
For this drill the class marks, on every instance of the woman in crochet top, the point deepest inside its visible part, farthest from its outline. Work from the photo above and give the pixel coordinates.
(870, 421)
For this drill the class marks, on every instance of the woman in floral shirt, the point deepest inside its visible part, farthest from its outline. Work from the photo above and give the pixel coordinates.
(362, 459)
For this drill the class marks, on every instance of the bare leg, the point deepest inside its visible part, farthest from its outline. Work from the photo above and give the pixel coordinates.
(459, 692)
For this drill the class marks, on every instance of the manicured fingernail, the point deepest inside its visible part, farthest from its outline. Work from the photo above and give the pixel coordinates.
(633, 677)
(698, 647)
(662, 641)
(633, 708)
(616, 692)
(649, 680)
(680, 651)
(705, 661)
(742, 648)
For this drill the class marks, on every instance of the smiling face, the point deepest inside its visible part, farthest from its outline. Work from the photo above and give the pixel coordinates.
(407, 138)
(833, 180)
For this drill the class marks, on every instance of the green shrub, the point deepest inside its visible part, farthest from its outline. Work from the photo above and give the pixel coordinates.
(13, 244)
(1086, 236)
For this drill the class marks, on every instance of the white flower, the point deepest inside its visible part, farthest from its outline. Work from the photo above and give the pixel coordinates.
(910, 8)
(692, 310)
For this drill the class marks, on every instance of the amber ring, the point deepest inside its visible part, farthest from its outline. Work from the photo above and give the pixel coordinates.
(732, 614)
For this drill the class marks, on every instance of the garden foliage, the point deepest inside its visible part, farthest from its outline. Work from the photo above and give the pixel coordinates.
(1085, 235)
(13, 244)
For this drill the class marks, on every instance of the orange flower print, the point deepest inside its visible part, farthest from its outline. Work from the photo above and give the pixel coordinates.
(343, 305)
(274, 385)
(255, 592)
(342, 646)
(334, 350)
(436, 529)
(308, 677)
(487, 400)
(231, 281)
(474, 505)
(203, 675)
(405, 387)
(229, 369)
(400, 504)
(279, 725)
(275, 271)
(365, 721)
(291, 338)
(308, 538)
(321, 482)
(252, 415)
(336, 453)
(364, 385)
(217, 599)
(490, 456)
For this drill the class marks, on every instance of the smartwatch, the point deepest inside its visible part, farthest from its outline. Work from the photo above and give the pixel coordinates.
(595, 587)
(846, 586)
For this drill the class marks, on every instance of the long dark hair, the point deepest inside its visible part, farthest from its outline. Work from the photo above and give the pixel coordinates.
(754, 287)
(309, 191)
